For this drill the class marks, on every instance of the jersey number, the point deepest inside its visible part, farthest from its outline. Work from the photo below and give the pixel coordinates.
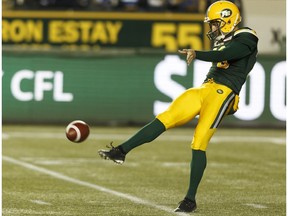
(223, 64)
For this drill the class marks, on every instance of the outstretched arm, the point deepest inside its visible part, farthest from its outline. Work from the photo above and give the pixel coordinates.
(234, 51)
(238, 48)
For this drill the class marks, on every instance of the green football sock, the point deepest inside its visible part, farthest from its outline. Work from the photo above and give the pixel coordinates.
(198, 165)
(147, 134)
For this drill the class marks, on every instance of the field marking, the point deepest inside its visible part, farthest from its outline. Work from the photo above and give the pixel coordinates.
(40, 202)
(258, 206)
(15, 211)
(57, 175)
(164, 137)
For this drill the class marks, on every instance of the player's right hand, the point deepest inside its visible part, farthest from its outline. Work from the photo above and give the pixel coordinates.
(190, 55)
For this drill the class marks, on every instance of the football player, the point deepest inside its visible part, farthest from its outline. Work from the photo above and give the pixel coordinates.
(233, 57)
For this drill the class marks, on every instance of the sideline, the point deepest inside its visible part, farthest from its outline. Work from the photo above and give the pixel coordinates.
(164, 137)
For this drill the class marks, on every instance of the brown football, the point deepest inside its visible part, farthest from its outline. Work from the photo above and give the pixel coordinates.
(77, 131)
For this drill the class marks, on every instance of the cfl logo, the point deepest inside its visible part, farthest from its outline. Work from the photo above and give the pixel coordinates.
(226, 13)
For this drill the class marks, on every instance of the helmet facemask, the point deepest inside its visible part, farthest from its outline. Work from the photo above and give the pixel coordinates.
(215, 29)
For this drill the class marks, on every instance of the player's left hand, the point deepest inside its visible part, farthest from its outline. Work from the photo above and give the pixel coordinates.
(190, 55)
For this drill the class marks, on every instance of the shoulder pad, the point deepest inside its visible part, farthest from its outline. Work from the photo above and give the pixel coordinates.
(245, 30)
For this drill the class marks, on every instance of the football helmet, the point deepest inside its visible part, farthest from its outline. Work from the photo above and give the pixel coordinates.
(225, 16)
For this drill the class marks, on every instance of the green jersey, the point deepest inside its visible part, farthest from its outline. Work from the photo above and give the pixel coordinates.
(232, 59)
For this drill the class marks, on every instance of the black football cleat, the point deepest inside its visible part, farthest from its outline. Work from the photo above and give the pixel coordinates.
(186, 205)
(113, 153)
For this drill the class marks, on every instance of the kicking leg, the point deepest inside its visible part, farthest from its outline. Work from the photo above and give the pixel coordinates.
(177, 114)
(148, 133)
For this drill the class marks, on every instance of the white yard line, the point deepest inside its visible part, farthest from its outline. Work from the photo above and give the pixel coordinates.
(164, 137)
(40, 202)
(58, 175)
(258, 206)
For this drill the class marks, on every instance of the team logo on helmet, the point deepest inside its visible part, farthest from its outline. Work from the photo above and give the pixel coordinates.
(226, 13)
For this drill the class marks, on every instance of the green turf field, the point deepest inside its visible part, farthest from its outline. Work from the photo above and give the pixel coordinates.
(45, 174)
